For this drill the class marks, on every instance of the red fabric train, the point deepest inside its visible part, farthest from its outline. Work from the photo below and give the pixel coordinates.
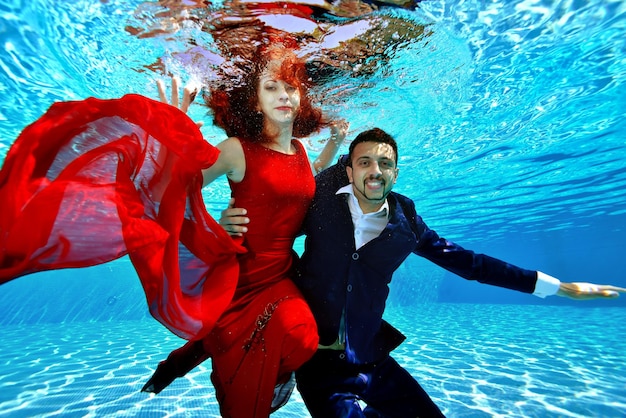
(94, 180)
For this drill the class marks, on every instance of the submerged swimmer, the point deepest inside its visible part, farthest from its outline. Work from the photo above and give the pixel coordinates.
(267, 330)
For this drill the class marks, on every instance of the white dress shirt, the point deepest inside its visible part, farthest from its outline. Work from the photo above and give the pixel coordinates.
(369, 225)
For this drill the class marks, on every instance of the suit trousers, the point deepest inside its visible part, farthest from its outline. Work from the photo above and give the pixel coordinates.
(331, 387)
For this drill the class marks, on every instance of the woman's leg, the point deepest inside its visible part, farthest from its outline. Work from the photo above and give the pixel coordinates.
(284, 336)
(180, 362)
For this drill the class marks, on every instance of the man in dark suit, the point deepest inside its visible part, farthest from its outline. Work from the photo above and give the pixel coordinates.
(358, 232)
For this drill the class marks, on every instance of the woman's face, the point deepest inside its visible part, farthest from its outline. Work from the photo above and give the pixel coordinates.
(278, 101)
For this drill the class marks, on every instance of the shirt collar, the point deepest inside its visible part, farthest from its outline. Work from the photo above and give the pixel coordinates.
(353, 202)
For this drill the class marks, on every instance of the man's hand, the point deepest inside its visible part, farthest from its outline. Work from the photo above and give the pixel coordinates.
(233, 220)
(587, 291)
(189, 94)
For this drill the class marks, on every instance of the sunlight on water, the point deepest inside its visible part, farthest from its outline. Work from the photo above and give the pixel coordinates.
(497, 106)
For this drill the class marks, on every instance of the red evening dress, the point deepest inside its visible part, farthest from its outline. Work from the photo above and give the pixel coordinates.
(94, 180)
(268, 330)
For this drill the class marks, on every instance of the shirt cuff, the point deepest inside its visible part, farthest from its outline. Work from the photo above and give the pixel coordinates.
(546, 285)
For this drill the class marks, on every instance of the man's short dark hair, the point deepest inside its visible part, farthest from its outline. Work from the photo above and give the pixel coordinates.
(373, 135)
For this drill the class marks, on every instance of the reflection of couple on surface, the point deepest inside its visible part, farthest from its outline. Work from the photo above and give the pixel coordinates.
(326, 323)
(341, 37)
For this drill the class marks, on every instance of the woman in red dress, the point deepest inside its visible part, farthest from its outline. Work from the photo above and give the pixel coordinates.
(267, 331)
(92, 181)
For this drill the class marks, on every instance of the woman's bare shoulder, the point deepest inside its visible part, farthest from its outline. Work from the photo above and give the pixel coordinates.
(230, 144)
(231, 158)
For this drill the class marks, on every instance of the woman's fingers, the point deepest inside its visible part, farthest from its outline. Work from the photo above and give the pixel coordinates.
(189, 94)
(175, 98)
(161, 88)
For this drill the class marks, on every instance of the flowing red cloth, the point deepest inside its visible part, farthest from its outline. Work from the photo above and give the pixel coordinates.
(94, 180)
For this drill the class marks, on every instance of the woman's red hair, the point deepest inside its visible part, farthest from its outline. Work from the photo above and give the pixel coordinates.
(235, 107)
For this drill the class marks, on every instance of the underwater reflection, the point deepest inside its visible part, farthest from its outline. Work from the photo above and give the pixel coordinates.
(346, 37)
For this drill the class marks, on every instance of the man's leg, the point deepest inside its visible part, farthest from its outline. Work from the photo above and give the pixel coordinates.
(391, 391)
(180, 362)
(329, 388)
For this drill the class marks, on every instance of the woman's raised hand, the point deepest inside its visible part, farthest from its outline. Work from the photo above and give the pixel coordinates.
(339, 130)
(189, 94)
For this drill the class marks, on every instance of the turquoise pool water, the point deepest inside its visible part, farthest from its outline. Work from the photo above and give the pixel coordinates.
(510, 120)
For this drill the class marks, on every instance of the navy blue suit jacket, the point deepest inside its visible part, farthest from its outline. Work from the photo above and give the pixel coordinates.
(334, 275)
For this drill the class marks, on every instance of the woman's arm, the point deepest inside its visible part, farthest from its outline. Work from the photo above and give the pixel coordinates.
(230, 161)
(338, 131)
